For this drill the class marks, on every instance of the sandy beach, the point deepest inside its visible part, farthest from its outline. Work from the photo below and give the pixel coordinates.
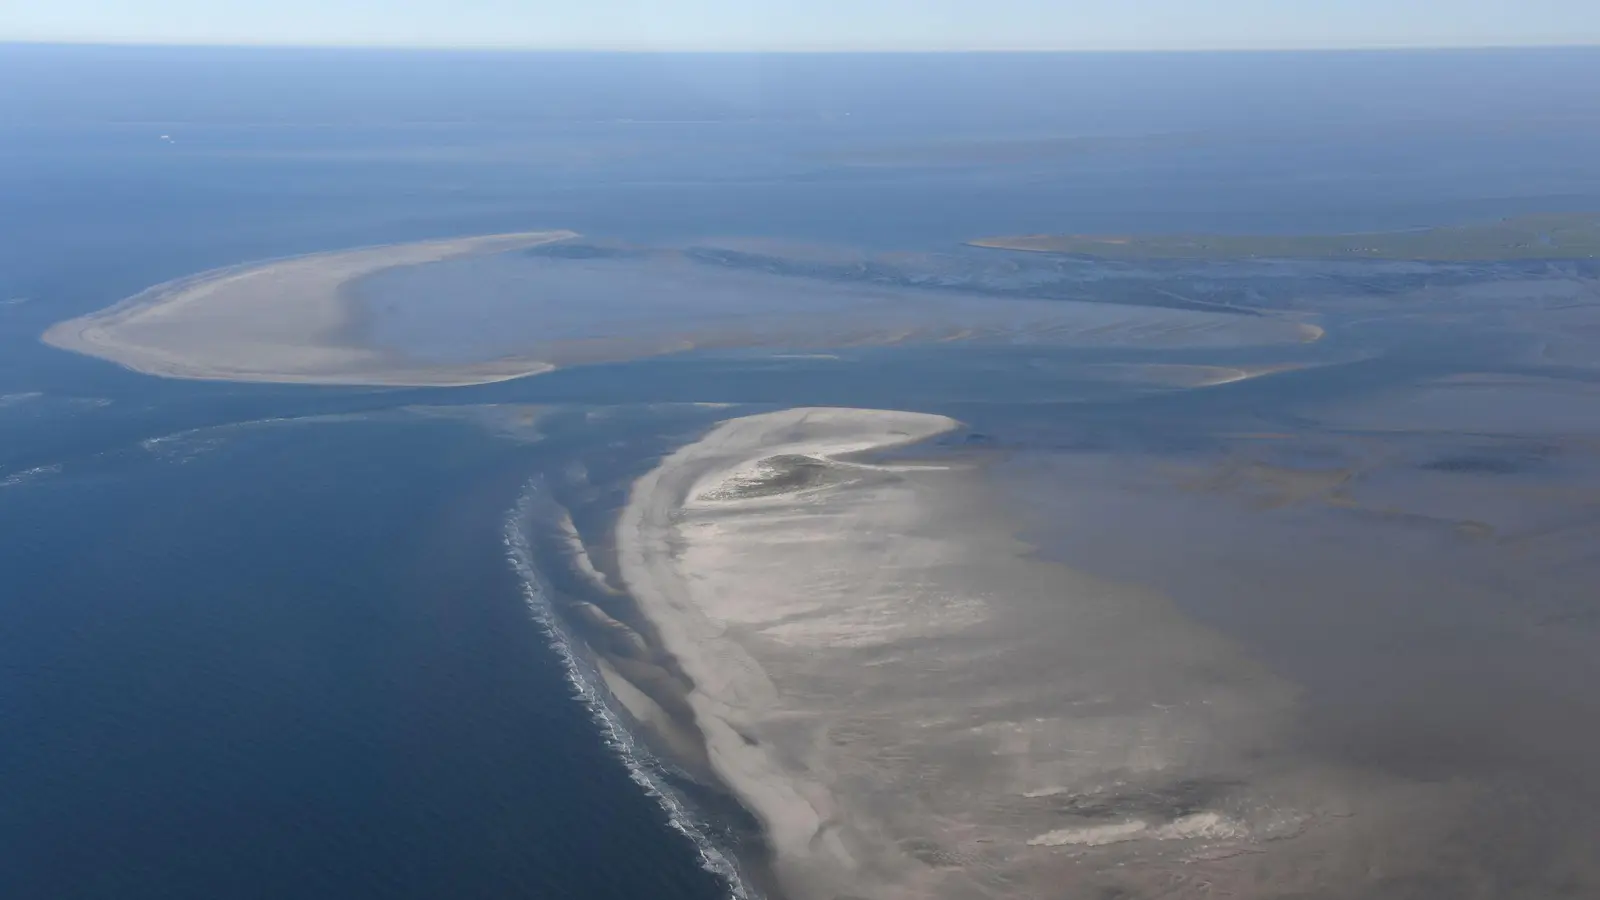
(288, 321)
(912, 706)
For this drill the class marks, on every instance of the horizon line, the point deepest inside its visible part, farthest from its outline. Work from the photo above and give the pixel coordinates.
(779, 50)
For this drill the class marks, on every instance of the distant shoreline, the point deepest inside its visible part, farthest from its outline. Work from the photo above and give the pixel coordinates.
(1541, 236)
(282, 321)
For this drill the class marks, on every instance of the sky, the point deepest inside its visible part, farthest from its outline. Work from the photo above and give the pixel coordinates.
(812, 24)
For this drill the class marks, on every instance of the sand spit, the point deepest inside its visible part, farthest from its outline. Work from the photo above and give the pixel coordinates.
(287, 320)
(1183, 375)
(915, 708)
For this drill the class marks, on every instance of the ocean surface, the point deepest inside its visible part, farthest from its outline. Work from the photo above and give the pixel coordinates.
(259, 641)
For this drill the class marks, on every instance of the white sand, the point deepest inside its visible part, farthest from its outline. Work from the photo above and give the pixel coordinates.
(1199, 825)
(280, 321)
(911, 705)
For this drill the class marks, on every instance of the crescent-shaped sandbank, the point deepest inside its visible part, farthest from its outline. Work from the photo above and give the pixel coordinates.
(289, 320)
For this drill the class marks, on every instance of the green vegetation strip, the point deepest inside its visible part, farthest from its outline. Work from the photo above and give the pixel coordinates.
(1540, 236)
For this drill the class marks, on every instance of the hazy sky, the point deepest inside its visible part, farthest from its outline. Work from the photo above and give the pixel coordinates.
(812, 24)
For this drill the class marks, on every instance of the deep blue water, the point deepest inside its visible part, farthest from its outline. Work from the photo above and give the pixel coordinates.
(292, 660)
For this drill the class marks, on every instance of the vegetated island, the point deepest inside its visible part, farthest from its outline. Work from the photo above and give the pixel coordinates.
(1537, 236)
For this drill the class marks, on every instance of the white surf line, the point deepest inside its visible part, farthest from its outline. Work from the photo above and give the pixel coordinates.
(17, 399)
(588, 687)
(28, 476)
(796, 815)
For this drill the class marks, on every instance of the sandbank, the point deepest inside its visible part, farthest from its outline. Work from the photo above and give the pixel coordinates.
(288, 320)
(465, 311)
(913, 706)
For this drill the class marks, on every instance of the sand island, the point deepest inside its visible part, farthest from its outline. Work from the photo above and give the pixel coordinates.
(915, 707)
(287, 320)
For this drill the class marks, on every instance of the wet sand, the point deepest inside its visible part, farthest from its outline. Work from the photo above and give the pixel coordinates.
(1432, 595)
(288, 321)
(914, 705)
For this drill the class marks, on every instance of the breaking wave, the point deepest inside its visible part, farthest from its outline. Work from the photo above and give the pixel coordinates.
(18, 399)
(27, 476)
(643, 767)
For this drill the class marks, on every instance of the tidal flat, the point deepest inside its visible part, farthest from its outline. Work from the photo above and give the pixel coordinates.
(1071, 659)
(1138, 578)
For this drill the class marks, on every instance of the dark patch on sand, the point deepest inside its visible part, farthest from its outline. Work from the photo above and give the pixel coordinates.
(783, 474)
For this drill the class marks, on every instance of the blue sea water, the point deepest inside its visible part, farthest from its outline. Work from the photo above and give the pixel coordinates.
(292, 658)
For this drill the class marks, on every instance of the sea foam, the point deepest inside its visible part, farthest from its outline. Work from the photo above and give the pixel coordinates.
(583, 675)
